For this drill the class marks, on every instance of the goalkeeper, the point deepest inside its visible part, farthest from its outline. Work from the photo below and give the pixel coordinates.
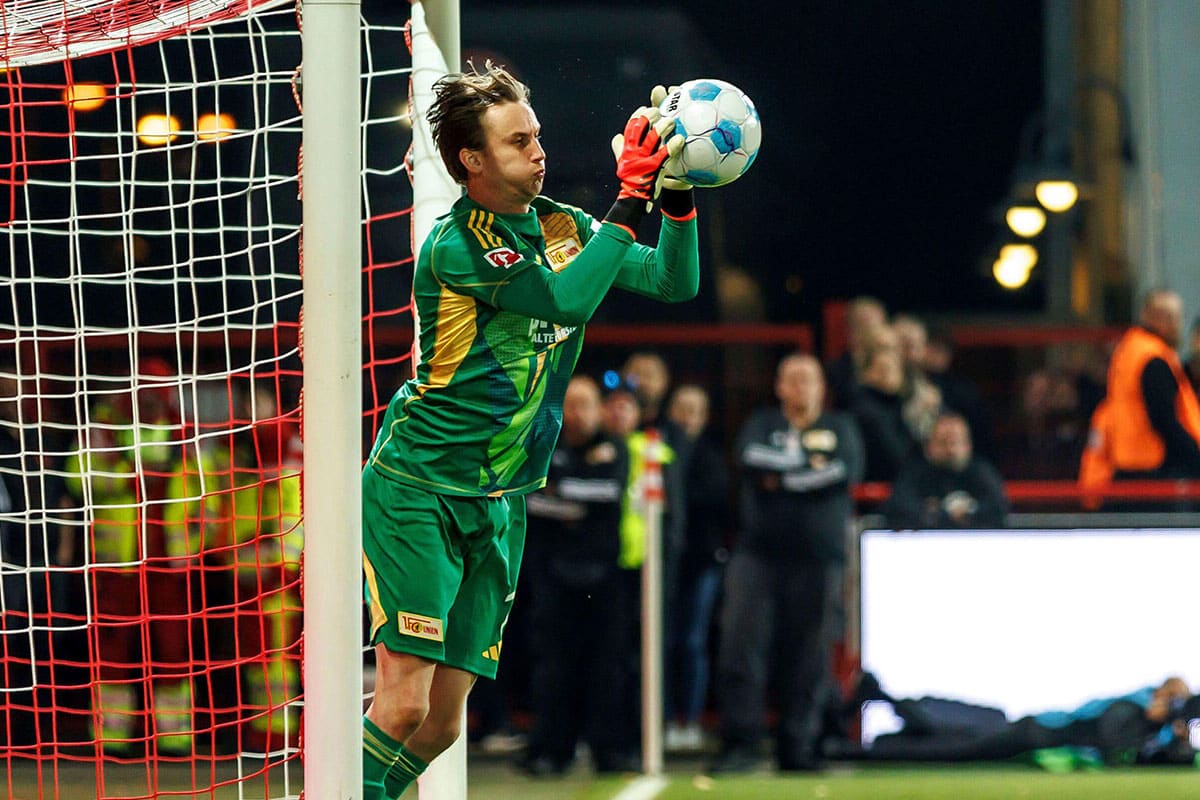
(503, 287)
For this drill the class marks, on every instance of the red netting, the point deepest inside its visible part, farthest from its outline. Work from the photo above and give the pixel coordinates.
(150, 613)
(44, 31)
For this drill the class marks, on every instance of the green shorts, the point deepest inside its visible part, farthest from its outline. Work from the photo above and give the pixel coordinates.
(441, 571)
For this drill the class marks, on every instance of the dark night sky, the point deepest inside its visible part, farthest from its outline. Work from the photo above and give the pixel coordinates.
(890, 132)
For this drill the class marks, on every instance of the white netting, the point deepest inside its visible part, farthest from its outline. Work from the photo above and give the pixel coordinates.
(150, 297)
(45, 31)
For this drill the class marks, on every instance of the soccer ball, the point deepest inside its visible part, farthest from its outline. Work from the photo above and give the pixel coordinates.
(721, 132)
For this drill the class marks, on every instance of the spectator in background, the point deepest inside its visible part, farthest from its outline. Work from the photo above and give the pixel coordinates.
(948, 486)
(650, 378)
(619, 413)
(864, 316)
(580, 609)
(117, 478)
(879, 411)
(267, 534)
(922, 399)
(621, 419)
(648, 375)
(958, 393)
(1154, 424)
(783, 584)
(1054, 426)
(706, 486)
(1146, 726)
(1192, 366)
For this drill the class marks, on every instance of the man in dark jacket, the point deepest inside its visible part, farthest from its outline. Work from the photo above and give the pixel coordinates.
(783, 583)
(878, 409)
(580, 610)
(698, 581)
(948, 486)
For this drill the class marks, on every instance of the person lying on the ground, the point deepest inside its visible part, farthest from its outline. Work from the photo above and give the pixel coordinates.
(1149, 725)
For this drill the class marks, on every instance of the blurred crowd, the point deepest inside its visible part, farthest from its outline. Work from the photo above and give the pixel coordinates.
(192, 539)
(151, 591)
(756, 537)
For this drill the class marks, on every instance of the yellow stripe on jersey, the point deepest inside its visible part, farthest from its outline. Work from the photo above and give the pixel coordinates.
(378, 615)
(456, 329)
(479, 222)
(537, 372)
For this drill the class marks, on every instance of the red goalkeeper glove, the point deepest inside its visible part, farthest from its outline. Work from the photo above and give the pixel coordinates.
(643, 153)
(646, 145)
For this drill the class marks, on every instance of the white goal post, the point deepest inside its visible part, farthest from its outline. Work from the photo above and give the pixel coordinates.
(332, 353)
(151, 277)
(333, 765)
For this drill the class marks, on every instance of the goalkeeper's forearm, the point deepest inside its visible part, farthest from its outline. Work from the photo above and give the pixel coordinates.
(570, 296)
(671, 271)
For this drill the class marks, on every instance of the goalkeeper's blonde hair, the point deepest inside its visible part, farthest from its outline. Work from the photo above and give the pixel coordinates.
(455, 118)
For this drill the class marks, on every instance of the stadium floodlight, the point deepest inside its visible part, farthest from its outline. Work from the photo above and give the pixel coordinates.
(215, 127)
(1057, 195)
(1025, 220)
(1009, 274)
(1014, 265)
(85, 96)
(156, 130)
(404, 114)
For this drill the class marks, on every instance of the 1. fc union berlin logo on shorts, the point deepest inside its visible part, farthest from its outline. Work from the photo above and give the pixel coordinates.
(420, 626)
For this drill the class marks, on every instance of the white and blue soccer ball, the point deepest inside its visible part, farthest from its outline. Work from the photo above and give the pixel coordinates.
(721, 130)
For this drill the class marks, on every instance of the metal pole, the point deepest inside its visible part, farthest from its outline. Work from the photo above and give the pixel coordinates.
(652, 610)
(435, 46)
(332, 402)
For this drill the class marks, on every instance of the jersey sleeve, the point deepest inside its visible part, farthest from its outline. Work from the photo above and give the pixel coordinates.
(571, 295)
(669, 272)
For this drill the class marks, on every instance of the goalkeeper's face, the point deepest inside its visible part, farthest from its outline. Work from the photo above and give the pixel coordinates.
(511, 166)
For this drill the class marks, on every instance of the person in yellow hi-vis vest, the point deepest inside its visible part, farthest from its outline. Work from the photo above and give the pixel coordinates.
(621, 418)
(268, 538)
(195, 522)
(117, 476)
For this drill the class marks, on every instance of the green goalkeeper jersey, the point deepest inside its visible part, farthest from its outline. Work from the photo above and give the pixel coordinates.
(501, 300)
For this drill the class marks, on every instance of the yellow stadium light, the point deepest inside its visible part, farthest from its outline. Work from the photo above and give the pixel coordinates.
(1011, 270)
(404, 114)
(1027, 221)
(85, 96)
(157, 129)
(1058, 195)
(1023, 255)
(1009, 274)
(214, 127)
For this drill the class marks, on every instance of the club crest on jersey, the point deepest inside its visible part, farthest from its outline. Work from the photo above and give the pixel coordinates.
(562, 252)
(502, 257)
(420, 626)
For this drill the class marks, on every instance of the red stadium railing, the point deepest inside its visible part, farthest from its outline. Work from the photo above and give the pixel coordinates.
(1030, 493)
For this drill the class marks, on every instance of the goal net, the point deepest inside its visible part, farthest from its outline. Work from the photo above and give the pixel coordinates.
(151, 527)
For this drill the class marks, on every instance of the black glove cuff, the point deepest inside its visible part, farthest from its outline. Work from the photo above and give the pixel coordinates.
(627, 212)
(677, 203)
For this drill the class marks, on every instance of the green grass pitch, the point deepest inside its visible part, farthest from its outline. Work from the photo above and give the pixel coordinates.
(983, 782)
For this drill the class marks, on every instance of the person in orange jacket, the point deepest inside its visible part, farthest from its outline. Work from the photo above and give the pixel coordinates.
(1155, 425)
(1149, 424)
